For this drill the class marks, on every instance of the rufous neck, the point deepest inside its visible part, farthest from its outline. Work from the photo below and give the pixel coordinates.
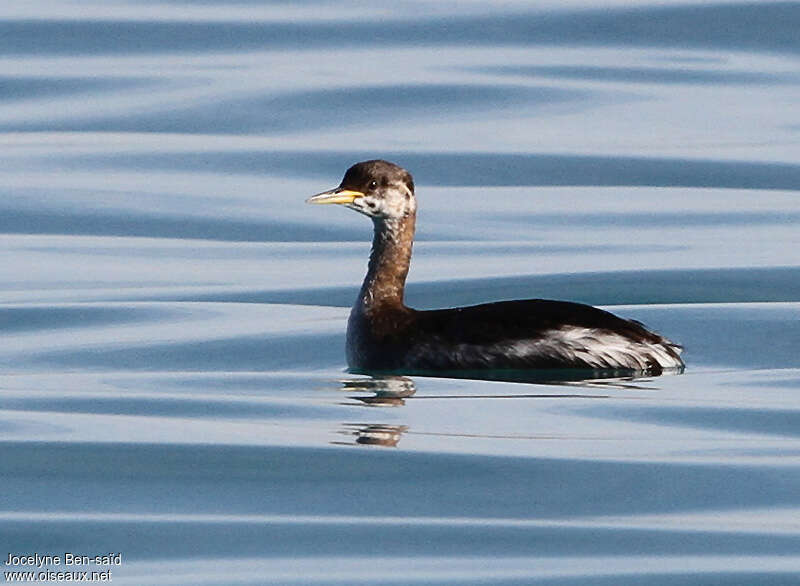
(389, 262)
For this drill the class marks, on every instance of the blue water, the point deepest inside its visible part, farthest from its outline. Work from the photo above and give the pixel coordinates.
(172, 377)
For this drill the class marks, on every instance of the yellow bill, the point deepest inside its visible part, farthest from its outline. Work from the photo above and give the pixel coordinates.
(340, 196)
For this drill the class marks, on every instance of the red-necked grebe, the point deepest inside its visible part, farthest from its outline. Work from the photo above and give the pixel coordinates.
(385, 335)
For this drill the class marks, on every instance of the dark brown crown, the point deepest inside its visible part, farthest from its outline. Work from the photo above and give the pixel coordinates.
(360, 177)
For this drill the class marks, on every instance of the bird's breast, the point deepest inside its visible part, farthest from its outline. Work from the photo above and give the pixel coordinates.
(378, 337)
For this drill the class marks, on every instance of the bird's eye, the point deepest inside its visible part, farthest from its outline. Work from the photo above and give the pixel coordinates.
(373, 184)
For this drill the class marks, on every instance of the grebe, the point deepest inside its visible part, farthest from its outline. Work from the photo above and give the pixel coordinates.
(385, 335)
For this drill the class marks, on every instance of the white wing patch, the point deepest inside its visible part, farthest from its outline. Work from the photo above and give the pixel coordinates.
(598, 349)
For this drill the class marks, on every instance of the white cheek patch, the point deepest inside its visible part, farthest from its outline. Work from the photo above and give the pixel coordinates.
(392, 208)
(369, 206)
(598, 349)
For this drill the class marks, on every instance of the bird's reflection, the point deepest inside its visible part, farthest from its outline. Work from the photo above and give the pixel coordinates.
(392, 390)
(381, 391)
(376, 434)
(544, 376)
(385, 391)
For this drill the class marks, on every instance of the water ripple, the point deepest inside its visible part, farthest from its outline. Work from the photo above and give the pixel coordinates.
(316, 110)
(766, 26)
(480, 169)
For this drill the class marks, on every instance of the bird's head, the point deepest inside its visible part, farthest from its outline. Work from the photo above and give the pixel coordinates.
(378, 189)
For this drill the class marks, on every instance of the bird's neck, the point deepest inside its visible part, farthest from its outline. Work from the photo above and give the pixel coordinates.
(388, 263)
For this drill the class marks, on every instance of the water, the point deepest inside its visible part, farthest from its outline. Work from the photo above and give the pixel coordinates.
(172, 383)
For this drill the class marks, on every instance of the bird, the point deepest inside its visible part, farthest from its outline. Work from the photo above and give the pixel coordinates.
(384, 335)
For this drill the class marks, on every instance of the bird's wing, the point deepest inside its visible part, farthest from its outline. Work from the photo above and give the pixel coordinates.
(539, 333)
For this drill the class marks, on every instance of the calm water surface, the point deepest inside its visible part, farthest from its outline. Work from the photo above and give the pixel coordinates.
(172, 377)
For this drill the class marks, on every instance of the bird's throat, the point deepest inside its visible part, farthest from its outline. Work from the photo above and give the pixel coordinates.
(388, 263)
